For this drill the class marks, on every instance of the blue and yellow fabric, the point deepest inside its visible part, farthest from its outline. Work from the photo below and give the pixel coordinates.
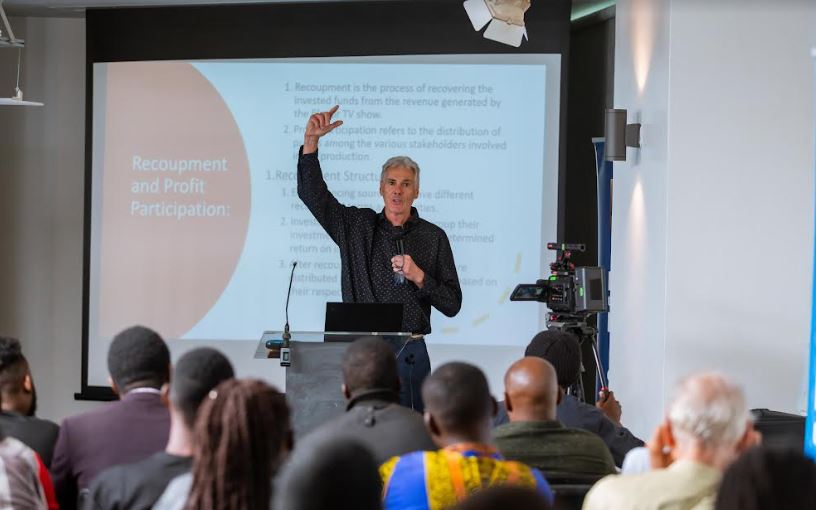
(438, 480)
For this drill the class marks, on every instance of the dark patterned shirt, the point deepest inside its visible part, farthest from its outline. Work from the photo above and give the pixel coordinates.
(367, 242)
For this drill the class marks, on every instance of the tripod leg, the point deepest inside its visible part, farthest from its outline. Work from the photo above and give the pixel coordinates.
(598, 366)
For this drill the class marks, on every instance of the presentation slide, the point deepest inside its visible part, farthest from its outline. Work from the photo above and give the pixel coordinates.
(195, 219)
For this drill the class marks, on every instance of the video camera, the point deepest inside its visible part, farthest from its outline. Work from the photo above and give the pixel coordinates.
(569, 289)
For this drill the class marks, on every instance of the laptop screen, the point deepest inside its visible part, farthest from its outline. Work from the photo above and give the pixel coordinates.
(364, 317)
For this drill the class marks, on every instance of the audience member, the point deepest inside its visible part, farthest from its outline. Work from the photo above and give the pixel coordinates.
(707, 426)
(20, 471)
(535, 437)
(128, 430)
(373, 414)
(241, 437)
(505, 497)
(766, 479)
(19, 402)
(137, 486)
(637, 460)
(329, 473)
(563, 351)
(458, 412)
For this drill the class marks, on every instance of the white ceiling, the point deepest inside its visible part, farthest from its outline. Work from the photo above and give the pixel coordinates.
(76, 8)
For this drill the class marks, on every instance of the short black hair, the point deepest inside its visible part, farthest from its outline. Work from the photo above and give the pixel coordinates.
(458, 396)
(196, 373)
(562, 350)
(768, 479)
(329, 473)
(505, 497)
(368, 364)
(13, 364)
(138, 357)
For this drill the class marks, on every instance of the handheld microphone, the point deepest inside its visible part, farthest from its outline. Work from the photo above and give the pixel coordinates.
(399, 276)
(285, 353)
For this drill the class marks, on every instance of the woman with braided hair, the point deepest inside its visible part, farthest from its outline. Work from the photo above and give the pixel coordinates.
(241, 437)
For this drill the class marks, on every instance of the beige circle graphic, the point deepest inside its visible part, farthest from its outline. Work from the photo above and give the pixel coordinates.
(175, 198)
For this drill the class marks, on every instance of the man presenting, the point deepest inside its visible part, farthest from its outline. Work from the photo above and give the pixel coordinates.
(374, 269)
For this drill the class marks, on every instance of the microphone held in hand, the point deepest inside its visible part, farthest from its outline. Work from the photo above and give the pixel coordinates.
(399, 276)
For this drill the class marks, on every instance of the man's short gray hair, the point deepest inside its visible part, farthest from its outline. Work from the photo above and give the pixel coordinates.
(709, 409)
(401, 161)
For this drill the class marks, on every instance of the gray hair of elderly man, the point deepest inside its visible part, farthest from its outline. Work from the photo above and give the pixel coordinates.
(401, 161)
(709, 411)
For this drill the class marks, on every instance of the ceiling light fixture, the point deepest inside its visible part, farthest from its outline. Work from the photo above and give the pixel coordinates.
(8, 40)
(505, 18)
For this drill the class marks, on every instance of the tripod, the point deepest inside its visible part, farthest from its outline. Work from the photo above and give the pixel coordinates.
(578, 326)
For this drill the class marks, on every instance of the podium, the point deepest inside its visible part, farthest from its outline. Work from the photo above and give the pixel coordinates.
(315, 376)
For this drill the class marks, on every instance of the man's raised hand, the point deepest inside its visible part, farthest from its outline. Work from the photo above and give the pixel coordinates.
(318, 125)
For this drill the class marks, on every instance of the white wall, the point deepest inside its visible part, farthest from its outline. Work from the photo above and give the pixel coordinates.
(637, 280)
(712, 247)
(41, 192)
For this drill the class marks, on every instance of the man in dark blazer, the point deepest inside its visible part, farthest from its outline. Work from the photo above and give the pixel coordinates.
(373, 415)
(129, 430)
(139, 485)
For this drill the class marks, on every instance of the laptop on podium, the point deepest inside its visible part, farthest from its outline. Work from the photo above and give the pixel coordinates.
(362, 317)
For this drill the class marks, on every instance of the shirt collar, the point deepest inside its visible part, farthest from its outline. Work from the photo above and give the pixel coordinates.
(412, 221)
(375, 394)
(536, 425)
(148, 390)
(692, 465)
(474, 450)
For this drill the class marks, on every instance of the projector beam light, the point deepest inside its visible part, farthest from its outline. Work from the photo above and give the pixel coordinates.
(504, 19)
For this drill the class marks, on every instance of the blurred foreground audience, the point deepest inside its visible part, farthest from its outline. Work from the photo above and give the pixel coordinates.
(458, 413)
(373, 415)
(706, 428)
(242, 435)
(765, 479)
(19, 402)
(128, 430)
(563, 351)
(21, 483)
(137, 486)
(505, 497)
(329, 474)
(534, 435)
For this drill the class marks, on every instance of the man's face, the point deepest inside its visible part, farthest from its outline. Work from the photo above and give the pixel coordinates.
(399, 190)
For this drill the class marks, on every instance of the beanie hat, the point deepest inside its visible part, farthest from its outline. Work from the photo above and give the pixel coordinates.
(562, 350)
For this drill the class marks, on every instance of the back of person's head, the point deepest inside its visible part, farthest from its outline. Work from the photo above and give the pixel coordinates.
(138, 357)
(329, 474)
(767, 479)
(505, 497)
(531, 390)
(708, 410)
(563, 352)
(242, 434)
(457, 397)
(16, 386)
(13, 365)
(196, 373)
(369, 364)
